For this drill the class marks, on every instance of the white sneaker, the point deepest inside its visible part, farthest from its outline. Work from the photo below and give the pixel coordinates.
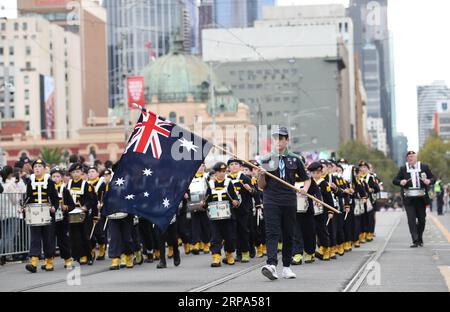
(270, 271)
(287, 273)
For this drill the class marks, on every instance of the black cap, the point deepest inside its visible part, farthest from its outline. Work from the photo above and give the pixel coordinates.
(324, 162)
(75, 166)
(410, 153)
(219, 166)
(57, 170)
(315, 166)
(362, 163)
(343, 161)
(106, 172)
(234, 160)
(282, 131)
(254, 163)
(332, 162)
(38, 161)
(246, 165)
(92, 168)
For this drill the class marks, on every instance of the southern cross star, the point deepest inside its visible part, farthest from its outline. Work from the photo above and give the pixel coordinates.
(166, 203)
(147, 172)
(131, 196)
(120, 181)
(188, 144)
(146, 194)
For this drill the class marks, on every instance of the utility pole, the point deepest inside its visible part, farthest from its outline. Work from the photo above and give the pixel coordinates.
(212, 97)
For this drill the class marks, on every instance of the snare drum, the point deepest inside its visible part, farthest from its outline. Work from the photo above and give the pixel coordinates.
(359, 207)
(38, 214)
(219, 210)
(77, 216)
(118, 216)
(415, 192)
(302, 203)
(318, 208)
(59, 215)
(369, 205)
(382, 198)
(197, 194)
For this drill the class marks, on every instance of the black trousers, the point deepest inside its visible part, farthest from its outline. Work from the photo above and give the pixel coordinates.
(62, 238)
(170, 237)
(135, 237)
(242, 231)
(79, 239)
(99, 236)
(184, 228)
(332, 230)
(299, 245)
(279, 219)
(416, 213)
(371, 221)
(349, 225)
(340, 233)
(323, 238)
(357, 227)
(252, 230)
(146, 233)
(201, 231)
(222, 230)
(260, 238)
(121, 240)
(440, 202)
(42, 237)
(308, 229)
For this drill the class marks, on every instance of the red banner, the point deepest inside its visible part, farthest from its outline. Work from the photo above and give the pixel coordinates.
(136, 93)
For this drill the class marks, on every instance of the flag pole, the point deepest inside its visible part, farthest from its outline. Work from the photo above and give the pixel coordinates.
(279, 180)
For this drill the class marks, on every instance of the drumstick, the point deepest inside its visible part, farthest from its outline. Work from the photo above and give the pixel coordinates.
(346, 214)
(106, 222)
(329, 219)
(92, 232)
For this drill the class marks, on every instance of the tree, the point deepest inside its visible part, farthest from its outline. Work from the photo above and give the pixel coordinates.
(52, 156)
(384, 167)
(436, 153)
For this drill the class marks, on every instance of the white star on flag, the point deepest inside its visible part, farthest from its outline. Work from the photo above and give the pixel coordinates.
(188, 144)
(131, 196)
(166, 203)
(147, 172)
(146, 194)
(120, 181)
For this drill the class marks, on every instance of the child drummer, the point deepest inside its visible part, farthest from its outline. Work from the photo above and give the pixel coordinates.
(41, 191)
(221, 189)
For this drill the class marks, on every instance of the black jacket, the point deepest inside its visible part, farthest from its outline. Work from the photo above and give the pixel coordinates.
(404, 175)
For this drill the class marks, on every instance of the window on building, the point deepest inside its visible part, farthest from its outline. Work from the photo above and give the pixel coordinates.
(28, 51)
(11, 50)
(27, 94)
(3, 27)
(173, 117)
(16, 26)
(269, 114)
(27, 110)
(28, 65)
(26, 79)
(24, 26)
(181, 119)
(27, 126)
(1, 50)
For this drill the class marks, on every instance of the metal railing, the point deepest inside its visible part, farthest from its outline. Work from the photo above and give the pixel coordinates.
(14, 233)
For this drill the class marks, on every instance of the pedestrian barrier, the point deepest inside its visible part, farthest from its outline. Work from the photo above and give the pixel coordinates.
(14, 233)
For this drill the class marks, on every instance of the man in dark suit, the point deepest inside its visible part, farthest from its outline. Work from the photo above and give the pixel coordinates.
(415, 177)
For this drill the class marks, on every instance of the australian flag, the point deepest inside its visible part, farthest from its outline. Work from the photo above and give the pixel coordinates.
(155, 170)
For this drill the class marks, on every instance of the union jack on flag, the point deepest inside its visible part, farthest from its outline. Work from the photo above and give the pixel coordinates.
(146, 133)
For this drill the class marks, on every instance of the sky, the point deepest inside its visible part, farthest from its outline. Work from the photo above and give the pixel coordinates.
(421, 51)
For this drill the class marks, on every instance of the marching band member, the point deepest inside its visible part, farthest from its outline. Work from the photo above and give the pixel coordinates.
(280, 201)
(99, 236)
(41, 190)
(201, 232)
(184, 227)
(258, 219)
(359, 199)
(170, 237)
(344, 207)
(221, 191)
(86, 206)
(245, 192)
(62, 226)
(372, 188)
(316, 171)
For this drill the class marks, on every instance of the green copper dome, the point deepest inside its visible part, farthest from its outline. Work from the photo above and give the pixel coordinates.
(177, 76)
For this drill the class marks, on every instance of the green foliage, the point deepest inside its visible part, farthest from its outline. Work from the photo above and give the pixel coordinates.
(52, 156)
(436, 153)
(384, 167)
